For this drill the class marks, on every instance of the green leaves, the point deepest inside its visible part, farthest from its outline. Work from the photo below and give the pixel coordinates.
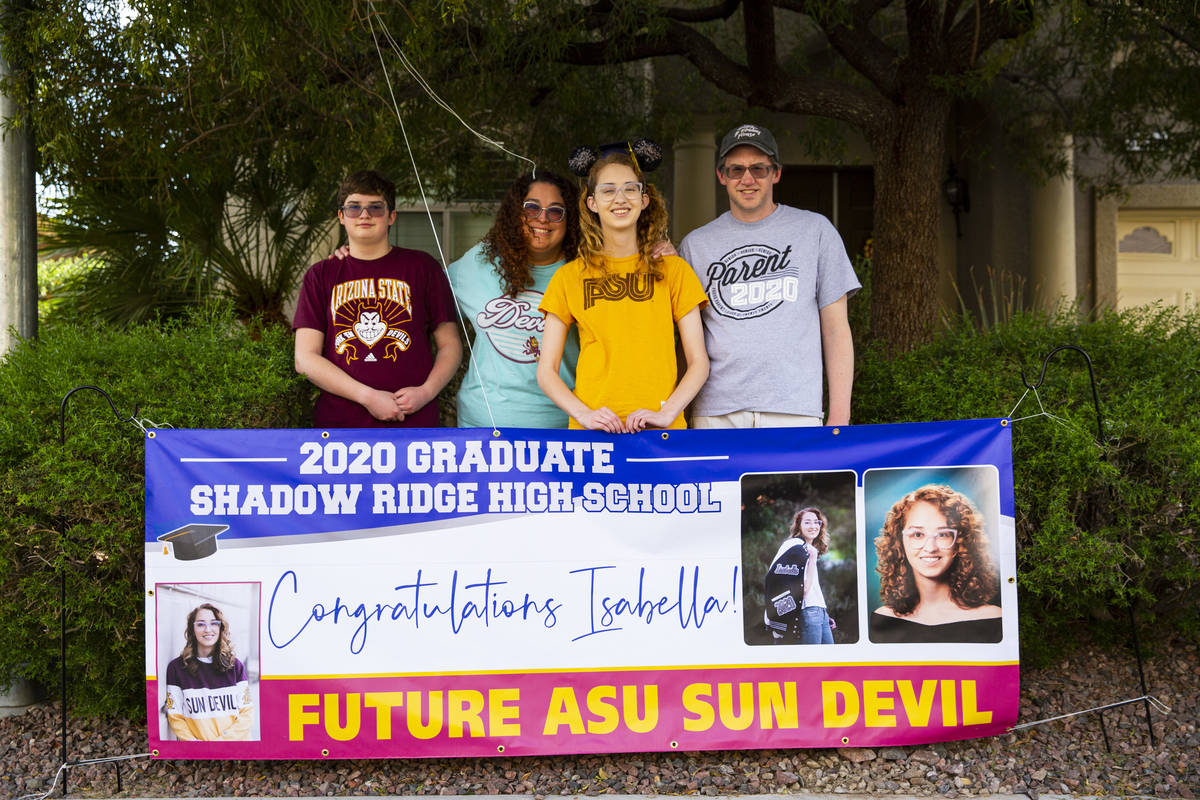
(79, 506)
(1099, 527)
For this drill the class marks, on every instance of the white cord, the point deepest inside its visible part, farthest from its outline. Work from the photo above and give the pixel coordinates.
(1042, 412)
(420, 79)
(142, 424)
(64, 767)
(420, 185)
(1154, 701)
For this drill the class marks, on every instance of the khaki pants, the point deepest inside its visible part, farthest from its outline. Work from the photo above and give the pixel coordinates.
(757, 419)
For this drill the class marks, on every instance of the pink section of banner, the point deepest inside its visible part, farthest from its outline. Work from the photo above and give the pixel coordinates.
(720, 708)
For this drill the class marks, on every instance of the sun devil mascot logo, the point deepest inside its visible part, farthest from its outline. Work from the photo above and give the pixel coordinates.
(365, 316)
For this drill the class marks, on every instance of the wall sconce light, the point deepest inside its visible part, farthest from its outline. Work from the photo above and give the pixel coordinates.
(954, 189)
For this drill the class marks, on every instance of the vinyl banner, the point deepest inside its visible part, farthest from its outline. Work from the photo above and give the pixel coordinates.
(464, 592)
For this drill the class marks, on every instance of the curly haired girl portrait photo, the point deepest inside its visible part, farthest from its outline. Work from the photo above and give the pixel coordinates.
(936, 567)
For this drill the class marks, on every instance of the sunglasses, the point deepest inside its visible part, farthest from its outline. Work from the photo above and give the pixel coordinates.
(734, 172)
(354, 210)
(532, 210)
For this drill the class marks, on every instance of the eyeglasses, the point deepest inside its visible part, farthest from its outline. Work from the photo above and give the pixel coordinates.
(355, 210)
(734, 172)
(944, 538)
(607, 192)
(532, 210)
(203, 625)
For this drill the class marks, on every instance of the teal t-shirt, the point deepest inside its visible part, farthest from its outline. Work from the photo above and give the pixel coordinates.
(508, 341)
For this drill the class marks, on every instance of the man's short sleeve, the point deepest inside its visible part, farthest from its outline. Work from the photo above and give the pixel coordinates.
(439, 299)
(310, 305)
(835, 274)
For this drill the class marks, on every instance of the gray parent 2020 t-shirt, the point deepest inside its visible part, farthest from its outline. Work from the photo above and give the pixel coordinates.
(766, 283)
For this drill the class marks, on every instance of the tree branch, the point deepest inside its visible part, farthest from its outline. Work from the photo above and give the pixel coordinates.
(863, 50)
(975, 33)
(758, 19)
(924, 43)
(722, 10)
(859, 107)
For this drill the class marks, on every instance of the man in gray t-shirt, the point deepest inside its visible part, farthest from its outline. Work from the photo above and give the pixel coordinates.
(777, 280)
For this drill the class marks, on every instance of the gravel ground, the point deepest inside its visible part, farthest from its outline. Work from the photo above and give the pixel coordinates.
(1065, 757)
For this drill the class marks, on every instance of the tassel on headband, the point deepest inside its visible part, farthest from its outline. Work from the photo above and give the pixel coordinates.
(647, 155)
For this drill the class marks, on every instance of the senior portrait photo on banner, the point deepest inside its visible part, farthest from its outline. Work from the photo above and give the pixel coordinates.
(931, 544)
(799, 566)
(208, 661)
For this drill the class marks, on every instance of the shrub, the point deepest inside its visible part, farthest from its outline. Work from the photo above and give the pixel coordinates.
(1099, 527)
(79, 507)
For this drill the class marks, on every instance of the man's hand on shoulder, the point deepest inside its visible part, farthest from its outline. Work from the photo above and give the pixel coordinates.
(664, 249)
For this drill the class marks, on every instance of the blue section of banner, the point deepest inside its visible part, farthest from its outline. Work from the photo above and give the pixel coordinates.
(294, 482)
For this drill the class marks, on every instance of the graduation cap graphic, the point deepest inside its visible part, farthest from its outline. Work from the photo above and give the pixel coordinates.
(194, 541)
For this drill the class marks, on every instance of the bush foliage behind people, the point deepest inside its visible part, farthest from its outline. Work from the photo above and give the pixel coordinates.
(81, 506)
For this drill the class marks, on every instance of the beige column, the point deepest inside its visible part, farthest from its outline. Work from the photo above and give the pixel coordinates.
(1052, 237)
(695, 201)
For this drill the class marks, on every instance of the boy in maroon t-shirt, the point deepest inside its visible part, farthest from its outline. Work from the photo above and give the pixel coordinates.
(363, 324)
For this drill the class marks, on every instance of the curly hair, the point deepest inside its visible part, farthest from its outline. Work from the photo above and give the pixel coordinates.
(972, 576)
(821, 542)
(651, 224)
(223, 655)
(505, 244)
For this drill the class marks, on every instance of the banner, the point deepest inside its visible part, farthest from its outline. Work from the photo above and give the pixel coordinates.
(464, 592)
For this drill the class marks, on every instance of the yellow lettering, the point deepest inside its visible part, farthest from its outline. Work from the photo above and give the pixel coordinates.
(777, 703)
(971, 713)
(917, 709)
(383, 703)
(503, 711)
(695, 701)
(465, 707)
(601, 701)
(831, 693)
(633, 721)
(745, 715)
(333, 717)
(949, 704)
(875, 706)
(563, 710)
(299, 715)
(416, 726)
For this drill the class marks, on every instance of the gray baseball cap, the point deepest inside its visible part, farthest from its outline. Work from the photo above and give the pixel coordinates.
(753, 135)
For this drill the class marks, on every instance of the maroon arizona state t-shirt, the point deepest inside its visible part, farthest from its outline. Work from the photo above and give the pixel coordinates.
(377, 317)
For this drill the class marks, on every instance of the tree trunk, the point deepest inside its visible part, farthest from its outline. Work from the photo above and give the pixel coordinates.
(909, 163)
(18, 215)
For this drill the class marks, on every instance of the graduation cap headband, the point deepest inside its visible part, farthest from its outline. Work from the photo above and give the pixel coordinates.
(646, 155)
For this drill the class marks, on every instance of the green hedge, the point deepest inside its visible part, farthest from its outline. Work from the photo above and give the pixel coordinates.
(81, 505)
(1098, 527)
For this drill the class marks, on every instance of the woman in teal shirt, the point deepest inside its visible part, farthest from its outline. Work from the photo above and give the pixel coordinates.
(498, 285)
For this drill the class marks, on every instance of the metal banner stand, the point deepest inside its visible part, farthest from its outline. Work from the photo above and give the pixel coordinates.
(62, 613)
(1137, 649)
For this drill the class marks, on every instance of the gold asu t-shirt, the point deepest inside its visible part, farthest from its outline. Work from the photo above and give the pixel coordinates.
(626, 321)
